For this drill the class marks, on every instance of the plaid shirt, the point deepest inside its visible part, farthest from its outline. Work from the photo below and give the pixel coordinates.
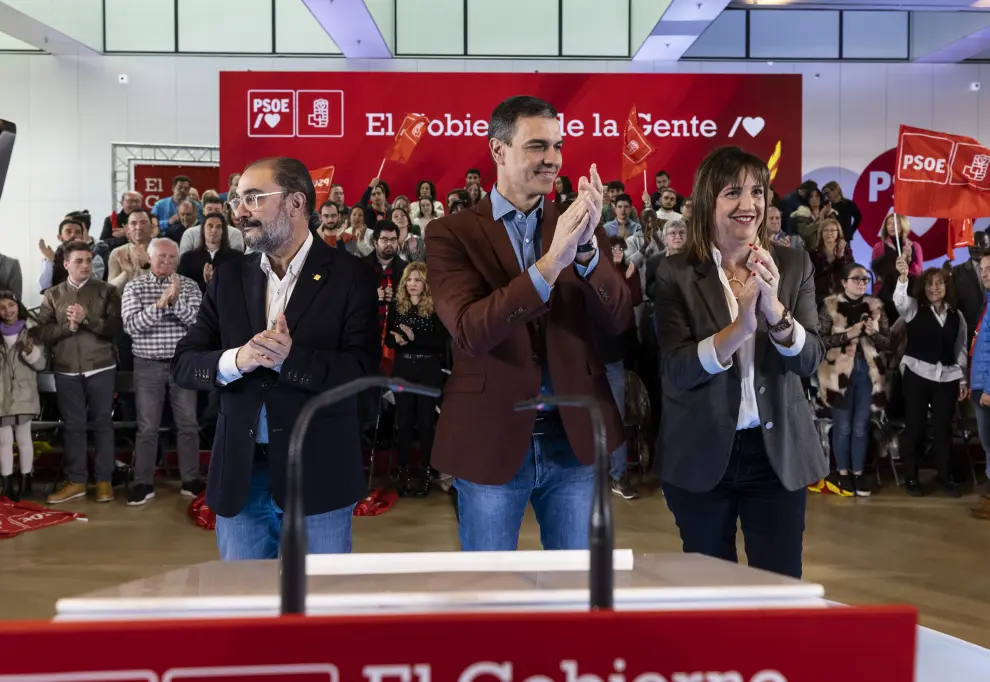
(157, 331)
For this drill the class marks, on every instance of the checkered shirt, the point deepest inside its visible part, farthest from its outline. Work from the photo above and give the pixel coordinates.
(155, 331)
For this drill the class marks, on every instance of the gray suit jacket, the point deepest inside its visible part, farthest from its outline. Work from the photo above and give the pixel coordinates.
(700, 410)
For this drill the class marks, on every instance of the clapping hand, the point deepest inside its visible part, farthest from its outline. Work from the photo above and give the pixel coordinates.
(74, 315)
(46, 250)
(855, 331)
(208, 273)
(840, 247)
(767, 277)
(870, 327)
(388, 292)
(591, 187)
(571, 226)
(408, 332)
(274, 344)
(170, 295)
(399, 339)
(963, 392)
(28, 345)
(748, 300)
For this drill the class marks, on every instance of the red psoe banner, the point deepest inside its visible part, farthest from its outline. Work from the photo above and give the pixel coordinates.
(940, 175)
(635, 148)
(773, 645)
(410, 133)
(960, 234)
(353, 118)
(322, 179)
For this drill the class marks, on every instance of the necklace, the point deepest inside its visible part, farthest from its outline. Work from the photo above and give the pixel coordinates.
(735, 280)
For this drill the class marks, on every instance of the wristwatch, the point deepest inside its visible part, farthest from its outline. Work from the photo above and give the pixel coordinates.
(786, 320)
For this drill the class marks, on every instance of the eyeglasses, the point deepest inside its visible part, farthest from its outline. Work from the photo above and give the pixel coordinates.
(250, 201)
(389, 240)
(858, 280)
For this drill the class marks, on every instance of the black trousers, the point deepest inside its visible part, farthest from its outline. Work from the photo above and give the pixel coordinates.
(416, 412)
(771, 516)
(919, 393)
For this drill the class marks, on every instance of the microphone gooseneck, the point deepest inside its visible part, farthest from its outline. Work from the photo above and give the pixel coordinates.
(601, 532)
(293, 544)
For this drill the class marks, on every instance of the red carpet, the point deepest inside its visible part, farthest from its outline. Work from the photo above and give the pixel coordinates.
(20, 517)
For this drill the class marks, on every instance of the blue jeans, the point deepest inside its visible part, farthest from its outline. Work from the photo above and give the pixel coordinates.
(616, 374)
(550, 477)
(982, 425)
(255, 532)
(851, 421)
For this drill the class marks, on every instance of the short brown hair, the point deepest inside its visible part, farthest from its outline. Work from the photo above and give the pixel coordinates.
(720, 168)
(75, 246)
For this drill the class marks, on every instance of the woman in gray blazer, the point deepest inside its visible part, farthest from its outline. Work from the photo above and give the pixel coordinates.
(737, 329)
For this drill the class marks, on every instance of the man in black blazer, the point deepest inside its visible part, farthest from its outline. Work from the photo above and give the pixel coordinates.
(279, 326)
(969, 288)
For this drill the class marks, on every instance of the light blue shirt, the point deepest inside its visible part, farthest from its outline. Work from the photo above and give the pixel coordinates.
(524, 233)
(612, 227)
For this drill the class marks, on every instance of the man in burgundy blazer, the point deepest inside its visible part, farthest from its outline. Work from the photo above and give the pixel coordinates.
(522, 290)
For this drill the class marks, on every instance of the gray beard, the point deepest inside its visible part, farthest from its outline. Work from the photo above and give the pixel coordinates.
(274, 236)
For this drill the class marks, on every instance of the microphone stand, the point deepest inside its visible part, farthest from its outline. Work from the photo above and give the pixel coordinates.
(601, 534)
(292, 547)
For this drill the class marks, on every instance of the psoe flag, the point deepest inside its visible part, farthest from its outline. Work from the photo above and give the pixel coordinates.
(940, 175)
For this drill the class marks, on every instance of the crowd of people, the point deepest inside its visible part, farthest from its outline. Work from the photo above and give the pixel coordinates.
(897, 339)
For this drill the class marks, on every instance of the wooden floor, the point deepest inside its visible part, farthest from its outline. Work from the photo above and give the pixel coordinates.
(887, 549)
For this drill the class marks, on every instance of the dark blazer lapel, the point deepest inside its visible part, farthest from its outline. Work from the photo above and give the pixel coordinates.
(762, 328)
(712, 292)
(495, 233)
(255, 291)
(315, 272)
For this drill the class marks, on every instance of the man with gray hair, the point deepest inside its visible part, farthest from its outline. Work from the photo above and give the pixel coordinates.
(158, 308)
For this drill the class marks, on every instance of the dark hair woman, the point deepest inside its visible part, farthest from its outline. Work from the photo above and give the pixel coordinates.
(854, 329)
(737, 328)
(933, 370)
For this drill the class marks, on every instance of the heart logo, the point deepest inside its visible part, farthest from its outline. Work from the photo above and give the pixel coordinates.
(273, 119)
(753, 125)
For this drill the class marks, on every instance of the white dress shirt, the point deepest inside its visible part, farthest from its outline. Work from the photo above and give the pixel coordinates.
(278, 293)
(907, 308)
(749, 412)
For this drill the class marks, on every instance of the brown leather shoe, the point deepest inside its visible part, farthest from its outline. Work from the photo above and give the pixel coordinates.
(69, 491)
(104, 492)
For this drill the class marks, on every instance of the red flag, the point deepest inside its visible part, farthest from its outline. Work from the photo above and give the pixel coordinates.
(635, 148)
(410, 132)
(941, 175)
(960, 234)
(19, 517)
(322, 179)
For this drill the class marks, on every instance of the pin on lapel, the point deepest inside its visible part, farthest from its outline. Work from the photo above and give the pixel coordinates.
(316, 278)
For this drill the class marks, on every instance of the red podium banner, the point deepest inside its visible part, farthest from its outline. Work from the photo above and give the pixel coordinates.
(154, 181)
(351, 119)
(699, 646)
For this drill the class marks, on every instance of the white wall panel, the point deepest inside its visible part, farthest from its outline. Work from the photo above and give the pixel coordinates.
(588, 31)
(128, 23)
(416, 23)
(875, 35)
(497, 28)
(79, 19)
(298, 32)
(227, 26)
(794, 34)
(862, 114)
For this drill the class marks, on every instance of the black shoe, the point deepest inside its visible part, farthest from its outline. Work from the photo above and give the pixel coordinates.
(861, 485)
(193, 488)
(847, 483)
(425, 480)
(140, 493)
(623, 488)
(7, 486)
(949, 488)
(405, 485)
(25, 488)
(913, 488)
